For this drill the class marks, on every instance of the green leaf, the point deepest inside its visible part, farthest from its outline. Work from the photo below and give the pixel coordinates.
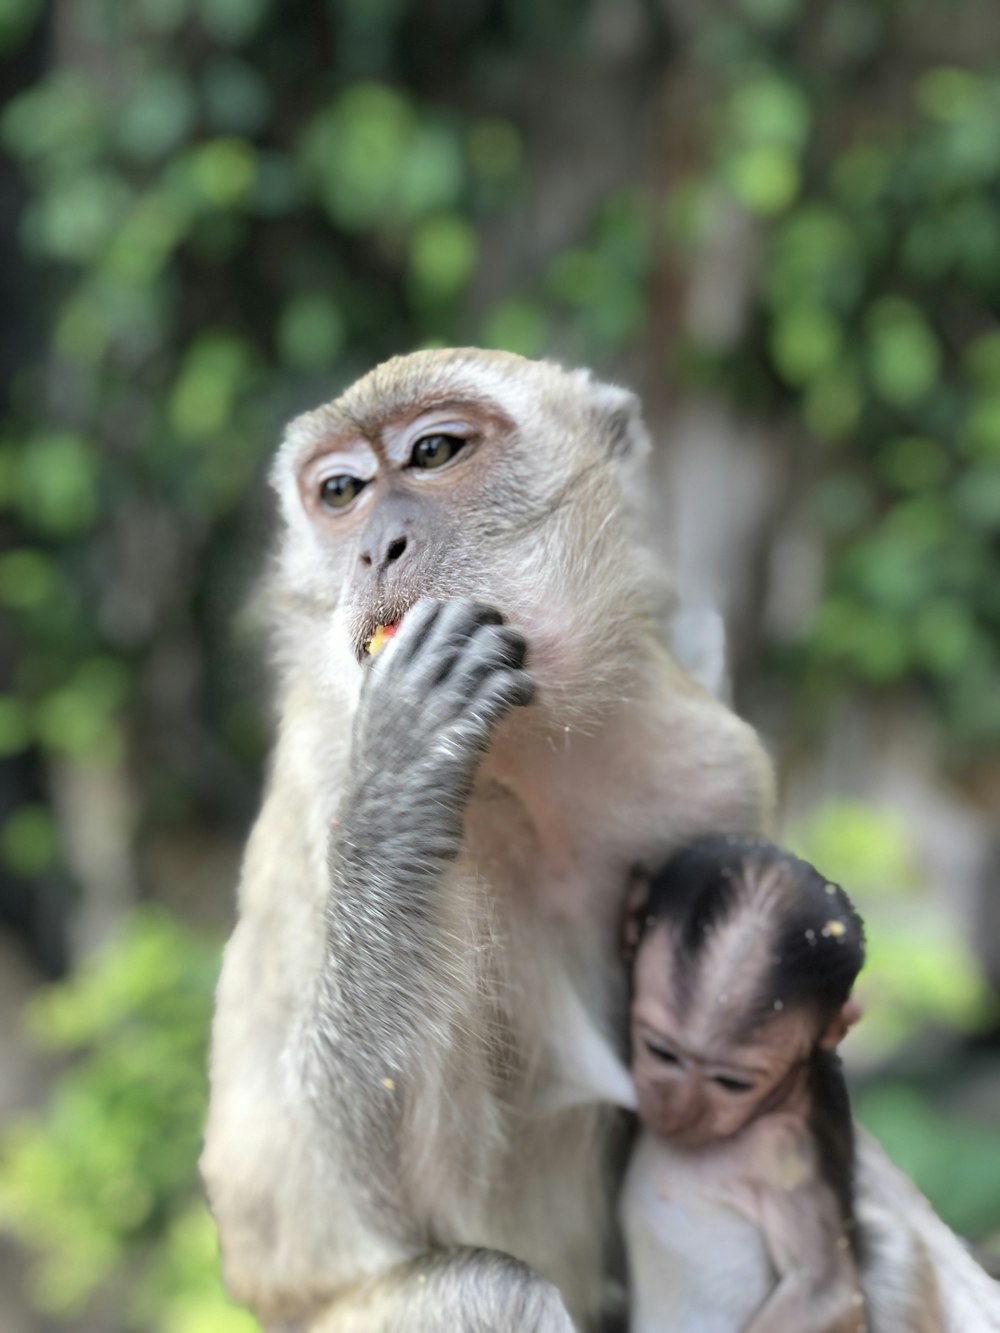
(443, 255)
(771, 111)
(232, 21)
(517, 325)
(58, 483)
(61, 117)
(904, 356)
(981, 431)
(356, 150)
(914, 463)
(950, 93)
(866, 848)
(28, 840)
(981, 360)
(157, 116)
(311, 332)
(224, 170)
(28, 579)
(15, 725)
(494, 148)
(833, 403)
(237, 98)
(764, 177)
(76, 217)
(977, 497)
(805, 342)
(216, 369)
(17, 18)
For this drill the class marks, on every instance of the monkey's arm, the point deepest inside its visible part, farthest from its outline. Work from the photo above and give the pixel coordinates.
(402, 937)
(817, 1287)
(917, 1276)
(338, 1151)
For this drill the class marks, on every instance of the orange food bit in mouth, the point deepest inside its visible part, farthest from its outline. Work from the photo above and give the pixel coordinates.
(382, 635)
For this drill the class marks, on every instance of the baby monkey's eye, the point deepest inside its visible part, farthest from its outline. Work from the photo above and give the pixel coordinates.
(661, 1052)
(436, 450)
(339, 491)
(732, 1084)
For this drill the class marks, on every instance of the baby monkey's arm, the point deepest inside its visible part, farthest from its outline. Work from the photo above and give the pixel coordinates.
(817, 1287)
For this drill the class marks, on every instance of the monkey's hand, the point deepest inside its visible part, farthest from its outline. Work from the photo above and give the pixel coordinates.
(428, 710)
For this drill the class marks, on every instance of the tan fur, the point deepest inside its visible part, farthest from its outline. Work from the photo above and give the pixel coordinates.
(621, 758)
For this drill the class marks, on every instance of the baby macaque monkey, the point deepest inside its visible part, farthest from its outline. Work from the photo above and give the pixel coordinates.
(738, 1203)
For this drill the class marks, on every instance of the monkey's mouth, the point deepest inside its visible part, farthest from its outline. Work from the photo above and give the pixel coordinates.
(373, 630)
(381, 636)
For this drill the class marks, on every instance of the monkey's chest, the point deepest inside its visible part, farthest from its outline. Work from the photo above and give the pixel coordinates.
(695, 1264)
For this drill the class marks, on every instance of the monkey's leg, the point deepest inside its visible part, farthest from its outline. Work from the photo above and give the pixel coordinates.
(465, 1291)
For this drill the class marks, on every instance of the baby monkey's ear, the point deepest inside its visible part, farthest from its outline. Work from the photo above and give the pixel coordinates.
(841, 1023)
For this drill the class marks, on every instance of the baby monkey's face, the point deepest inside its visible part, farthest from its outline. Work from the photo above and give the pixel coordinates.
(697, 1083)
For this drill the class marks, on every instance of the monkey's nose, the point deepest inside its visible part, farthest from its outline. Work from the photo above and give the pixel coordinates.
(390, 552)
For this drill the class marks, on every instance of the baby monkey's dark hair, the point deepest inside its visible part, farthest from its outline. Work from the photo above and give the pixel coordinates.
(804, 946)
(817, 948)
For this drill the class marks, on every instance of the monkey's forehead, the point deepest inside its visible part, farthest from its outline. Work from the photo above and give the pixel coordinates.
(422, 379)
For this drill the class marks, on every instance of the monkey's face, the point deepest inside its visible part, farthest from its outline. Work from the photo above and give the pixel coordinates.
(458, 474)
(695, 1083)
(386, 508)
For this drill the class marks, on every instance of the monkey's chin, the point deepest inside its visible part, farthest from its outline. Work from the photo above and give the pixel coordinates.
(688, 1137)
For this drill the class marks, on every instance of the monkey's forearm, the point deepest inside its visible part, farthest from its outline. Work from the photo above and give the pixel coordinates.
(473, 1290)
(388, 926)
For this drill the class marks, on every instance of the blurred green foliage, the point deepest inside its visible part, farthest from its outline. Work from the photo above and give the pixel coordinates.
(102, 1187)
(235, 206)
(920, 970)
(876, 329)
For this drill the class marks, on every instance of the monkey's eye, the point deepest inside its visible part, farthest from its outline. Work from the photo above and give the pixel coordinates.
(661, 1052)
(732, 1084)
(340, 491)
(436, 450)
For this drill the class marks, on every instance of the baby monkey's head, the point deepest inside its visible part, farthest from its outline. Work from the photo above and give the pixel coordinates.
(745, 963)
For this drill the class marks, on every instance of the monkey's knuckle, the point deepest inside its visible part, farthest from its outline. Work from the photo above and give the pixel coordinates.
(508, 689)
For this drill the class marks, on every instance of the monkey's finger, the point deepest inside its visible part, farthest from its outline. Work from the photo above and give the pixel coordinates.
(492, 649)
(449, 638)
(502, 691)
(416, 627)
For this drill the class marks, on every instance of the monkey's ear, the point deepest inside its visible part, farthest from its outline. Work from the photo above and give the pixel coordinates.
(620, 421)
(841, 1024)
(636, 898)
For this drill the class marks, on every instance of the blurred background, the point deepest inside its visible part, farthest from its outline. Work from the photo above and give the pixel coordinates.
(778, 220)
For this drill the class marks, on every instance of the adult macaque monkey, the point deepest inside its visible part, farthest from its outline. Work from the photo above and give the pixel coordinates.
(435, 867)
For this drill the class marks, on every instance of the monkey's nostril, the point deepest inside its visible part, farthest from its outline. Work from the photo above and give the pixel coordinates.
(396, 549)
(365, 558)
